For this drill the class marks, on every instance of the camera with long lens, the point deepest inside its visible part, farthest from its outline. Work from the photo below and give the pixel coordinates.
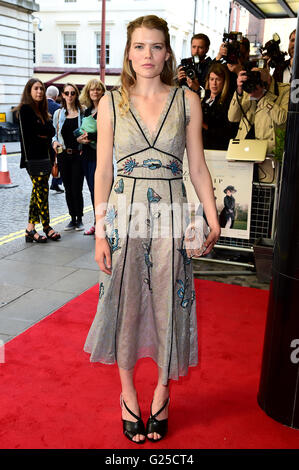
(254, 78)
(190, 66)
(232, 43)
(272, 50)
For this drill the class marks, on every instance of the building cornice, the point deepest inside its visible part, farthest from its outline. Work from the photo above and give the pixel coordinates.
(24, 5)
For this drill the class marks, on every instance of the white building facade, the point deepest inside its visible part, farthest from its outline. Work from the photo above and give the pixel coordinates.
(69, 37)
(16, 51)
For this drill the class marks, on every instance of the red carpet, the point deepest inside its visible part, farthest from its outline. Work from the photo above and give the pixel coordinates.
(52, 397)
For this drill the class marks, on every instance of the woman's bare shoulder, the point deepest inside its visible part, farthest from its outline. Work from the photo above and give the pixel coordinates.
(192, 97)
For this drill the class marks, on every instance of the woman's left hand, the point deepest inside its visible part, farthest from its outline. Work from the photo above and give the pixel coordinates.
(195, 242)
(83, 139)
(211, 240)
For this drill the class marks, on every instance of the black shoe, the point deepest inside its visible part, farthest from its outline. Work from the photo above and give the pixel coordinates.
(32, 236)
(154, 425)
(131, 428)
(55, 236)
(58, 189)
(70, 226)
(79, 225)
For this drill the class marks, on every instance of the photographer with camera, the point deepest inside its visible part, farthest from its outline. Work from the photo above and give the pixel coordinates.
(234, 53)
(193, 71)
(283, 69)
(260, 105)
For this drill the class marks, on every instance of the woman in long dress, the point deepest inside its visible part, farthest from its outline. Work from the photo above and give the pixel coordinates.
(146, 295)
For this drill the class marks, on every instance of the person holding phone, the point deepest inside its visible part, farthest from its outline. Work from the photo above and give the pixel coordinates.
(65, 121)
(90, 97)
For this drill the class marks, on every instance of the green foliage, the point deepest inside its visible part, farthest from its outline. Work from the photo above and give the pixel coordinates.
(279, 144)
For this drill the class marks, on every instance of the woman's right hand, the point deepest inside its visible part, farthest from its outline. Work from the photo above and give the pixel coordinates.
(181, 73)
(103, 255)
(55, 145)
(222, 51)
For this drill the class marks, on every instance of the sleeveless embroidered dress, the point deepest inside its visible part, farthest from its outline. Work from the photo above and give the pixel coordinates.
(147, 306)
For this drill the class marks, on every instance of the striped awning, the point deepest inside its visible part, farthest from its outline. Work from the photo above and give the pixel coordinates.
(271, 8)
(79, 79)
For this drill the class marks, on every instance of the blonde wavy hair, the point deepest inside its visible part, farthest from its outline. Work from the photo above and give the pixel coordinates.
(128, 76)
(84, 95)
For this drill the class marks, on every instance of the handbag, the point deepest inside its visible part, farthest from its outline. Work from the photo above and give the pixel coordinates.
(55, 170)
(89, 125)
(39, 167)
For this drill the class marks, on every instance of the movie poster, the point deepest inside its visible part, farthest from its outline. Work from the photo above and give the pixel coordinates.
(232, 184)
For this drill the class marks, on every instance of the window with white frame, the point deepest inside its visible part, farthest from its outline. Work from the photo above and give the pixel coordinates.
(34, 48)
(173, 42)
(184, 49)
(98, 47)
(69, 48)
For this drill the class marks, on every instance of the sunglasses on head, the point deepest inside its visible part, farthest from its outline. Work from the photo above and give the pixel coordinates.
(67, 93)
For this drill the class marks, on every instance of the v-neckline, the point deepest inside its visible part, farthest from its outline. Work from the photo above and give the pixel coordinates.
(151, 137)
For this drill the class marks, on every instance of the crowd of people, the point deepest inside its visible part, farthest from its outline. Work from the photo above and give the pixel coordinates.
(228, 112)
(52, 131)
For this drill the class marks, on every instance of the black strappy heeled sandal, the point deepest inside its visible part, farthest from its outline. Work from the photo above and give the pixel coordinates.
(30, 238)
(153, 425)
(54, 236)
(130, 428)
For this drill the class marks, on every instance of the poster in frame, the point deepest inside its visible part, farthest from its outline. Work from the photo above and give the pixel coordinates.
(232, 184)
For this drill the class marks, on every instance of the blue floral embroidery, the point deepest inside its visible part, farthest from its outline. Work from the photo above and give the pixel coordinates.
(113, 240)
(152, 163)
(152, 196)
(185, 289)
(181, 293)
(110, 216)
(129, 166)
(185, 256)
(174, 167)
(119, 186)
(101, 290)
(148, 262)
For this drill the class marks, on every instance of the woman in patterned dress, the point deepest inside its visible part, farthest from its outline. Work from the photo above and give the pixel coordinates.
(146, 303)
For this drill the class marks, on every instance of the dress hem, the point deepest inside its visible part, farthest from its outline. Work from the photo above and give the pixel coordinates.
(176, 377)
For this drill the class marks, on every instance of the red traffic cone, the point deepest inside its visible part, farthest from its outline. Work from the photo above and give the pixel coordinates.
(5, 181)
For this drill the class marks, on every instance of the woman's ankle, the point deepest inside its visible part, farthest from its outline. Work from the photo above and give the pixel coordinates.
(161, 391)
(129, 393)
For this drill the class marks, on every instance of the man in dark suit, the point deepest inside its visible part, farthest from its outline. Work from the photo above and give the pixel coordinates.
(52, 93)
(200, 44)
(283, 72)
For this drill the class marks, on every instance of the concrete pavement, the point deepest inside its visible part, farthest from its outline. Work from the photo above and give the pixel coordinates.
(37, 279)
